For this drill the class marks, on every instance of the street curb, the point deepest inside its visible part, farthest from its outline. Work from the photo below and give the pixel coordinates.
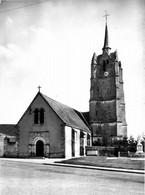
(96, 168)
(57, 163)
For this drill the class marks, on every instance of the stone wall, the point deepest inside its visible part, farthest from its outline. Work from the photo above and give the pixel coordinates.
(101, 150)
(51, 132)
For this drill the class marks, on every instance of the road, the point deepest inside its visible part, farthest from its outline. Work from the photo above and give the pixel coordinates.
(18, 178)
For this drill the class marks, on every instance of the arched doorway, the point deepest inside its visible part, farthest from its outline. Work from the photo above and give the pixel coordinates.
(39, 148)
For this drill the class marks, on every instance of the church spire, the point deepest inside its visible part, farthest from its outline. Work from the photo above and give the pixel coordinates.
(106, 39)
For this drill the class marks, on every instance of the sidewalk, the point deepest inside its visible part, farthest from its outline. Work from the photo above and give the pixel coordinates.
(56, 162)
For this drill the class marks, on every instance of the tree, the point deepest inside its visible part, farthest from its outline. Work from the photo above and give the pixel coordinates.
(143, 141)
(120, 143)
(132, 143)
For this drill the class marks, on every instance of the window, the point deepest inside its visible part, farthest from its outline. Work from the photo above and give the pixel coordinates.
(82, 135)
(39, 116)
(105, 62)
(88, 140)
(36, 116)
(104, 66)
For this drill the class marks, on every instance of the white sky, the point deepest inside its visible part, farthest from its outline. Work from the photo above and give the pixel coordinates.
(51, 44)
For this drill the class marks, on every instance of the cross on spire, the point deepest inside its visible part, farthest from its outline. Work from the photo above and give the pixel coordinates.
(39, 87)
(106, 47)
(106, 15)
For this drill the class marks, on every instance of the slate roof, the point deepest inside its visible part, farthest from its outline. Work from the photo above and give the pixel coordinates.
(8, 129)
(67, 114)
(86, 116)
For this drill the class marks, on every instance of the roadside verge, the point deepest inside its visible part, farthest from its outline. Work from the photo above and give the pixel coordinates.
(96, 168)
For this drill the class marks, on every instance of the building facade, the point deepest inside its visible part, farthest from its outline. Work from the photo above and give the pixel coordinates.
(8, 143)
(107, 106)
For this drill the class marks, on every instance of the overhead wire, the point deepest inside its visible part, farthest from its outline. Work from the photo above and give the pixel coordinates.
(20, 7)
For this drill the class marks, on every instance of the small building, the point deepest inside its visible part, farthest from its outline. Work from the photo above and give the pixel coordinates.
(8, 143)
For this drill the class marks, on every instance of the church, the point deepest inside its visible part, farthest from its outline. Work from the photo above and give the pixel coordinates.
(51, 129)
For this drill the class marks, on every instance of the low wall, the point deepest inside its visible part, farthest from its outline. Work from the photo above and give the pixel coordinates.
(100, 151)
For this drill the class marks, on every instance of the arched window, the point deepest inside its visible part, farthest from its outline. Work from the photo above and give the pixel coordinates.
(36, 116)
(41, 116)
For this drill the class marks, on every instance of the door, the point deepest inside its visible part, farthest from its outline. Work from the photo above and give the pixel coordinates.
(39, 148)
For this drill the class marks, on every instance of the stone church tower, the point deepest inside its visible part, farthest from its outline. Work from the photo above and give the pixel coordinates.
(107, 106)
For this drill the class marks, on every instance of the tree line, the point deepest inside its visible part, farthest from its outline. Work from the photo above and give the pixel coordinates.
(125, 144)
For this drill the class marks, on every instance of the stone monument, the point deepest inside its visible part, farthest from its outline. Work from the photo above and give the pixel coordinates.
(139, 147)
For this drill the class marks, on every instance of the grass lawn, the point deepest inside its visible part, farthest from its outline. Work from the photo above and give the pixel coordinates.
(123, 163)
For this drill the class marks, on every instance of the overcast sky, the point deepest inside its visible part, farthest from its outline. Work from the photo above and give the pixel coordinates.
(51, 44)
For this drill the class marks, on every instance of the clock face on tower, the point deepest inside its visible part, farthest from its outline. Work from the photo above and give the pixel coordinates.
(106, 73)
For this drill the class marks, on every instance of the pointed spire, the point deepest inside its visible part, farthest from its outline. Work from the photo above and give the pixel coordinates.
(106, 39)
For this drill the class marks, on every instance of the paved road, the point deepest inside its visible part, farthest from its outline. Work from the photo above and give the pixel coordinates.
(25, 178)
